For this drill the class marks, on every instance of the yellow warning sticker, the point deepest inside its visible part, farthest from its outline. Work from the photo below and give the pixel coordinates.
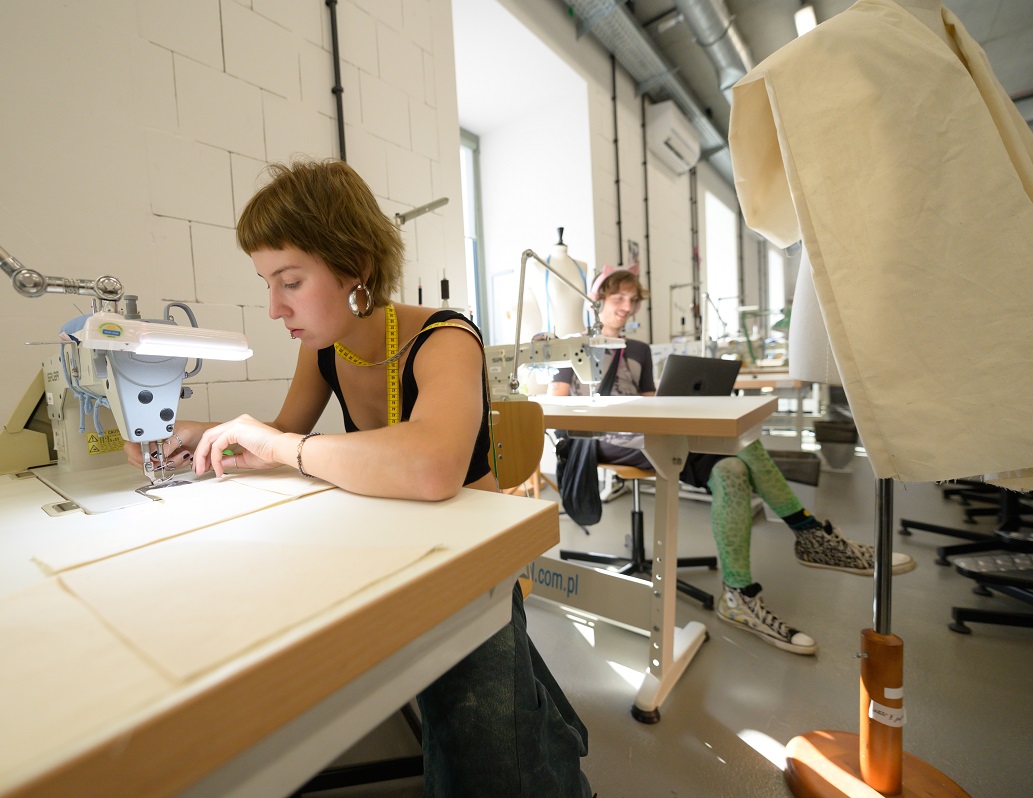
(110, 441)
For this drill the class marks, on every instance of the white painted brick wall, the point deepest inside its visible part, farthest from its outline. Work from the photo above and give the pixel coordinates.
(260, 51)
(401, 61)
(387, 11)
(357, 32)
(385, 110)
(247, 179)
(408, 175)
(424, 126)
(189, 180)
(143, 129)
(190, 27)
(168, 273)
(291, 130)
(317, 80)
(219, 109)
(418, 24)
(224, 274)
(276, 353)
(154, 86)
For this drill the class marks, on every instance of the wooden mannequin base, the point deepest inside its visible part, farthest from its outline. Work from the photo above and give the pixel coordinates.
(826, 764)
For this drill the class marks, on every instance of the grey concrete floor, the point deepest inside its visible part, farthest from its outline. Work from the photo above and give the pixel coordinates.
(968, 698)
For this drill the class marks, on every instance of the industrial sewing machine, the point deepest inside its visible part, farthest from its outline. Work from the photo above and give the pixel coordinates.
(583, 353)
(121, 373)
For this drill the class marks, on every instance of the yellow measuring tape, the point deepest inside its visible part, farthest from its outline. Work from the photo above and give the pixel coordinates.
(394, 354)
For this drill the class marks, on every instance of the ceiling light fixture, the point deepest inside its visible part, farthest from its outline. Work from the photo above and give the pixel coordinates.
(805, 19)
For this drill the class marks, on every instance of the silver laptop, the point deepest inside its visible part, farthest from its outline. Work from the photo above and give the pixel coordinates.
(688, 375)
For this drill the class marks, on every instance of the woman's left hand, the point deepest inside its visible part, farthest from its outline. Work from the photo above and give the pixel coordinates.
(254, 441)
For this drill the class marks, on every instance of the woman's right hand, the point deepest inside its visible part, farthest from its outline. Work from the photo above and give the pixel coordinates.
(178, 447)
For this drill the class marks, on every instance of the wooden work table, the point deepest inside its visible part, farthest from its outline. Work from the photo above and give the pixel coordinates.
(778, 383)
(673, 426)
(766, 379)
(97, 702)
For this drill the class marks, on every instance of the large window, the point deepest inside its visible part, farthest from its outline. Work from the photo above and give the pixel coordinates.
(721, 263)
(472, 238)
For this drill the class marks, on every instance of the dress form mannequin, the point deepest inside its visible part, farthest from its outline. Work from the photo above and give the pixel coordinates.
(907, 172)
(810, 352)
(561, 308)
(880, 160)
(930, 14)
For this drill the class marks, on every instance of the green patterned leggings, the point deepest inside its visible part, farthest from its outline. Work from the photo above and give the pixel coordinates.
(732, 483)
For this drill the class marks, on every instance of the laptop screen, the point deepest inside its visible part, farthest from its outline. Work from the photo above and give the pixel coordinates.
(688, 375)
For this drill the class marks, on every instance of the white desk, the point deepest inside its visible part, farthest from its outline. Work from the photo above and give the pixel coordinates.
(263, 721)
(673, 427)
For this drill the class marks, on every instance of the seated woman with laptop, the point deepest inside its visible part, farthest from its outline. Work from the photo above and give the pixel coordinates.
(730, 479)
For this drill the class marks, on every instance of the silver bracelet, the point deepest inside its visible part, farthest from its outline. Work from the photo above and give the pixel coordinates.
(300, 444)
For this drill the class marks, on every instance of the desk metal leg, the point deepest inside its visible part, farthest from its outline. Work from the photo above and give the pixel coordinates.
(671, 648)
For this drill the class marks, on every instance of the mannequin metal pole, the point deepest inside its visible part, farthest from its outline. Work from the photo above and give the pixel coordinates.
(883, 555)
(834, 764)
(882, 666)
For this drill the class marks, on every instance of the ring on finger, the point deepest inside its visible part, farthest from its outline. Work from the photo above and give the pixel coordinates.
(178, 439)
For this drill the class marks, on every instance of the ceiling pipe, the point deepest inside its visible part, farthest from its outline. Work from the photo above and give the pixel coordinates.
(621, 34)
(715, 32)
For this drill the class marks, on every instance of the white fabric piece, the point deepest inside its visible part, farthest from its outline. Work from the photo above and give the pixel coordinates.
(810, 352)
(908, 174)
(80, 539)
(63, 675)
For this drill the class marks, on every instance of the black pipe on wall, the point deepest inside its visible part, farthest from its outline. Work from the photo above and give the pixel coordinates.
(338, 89)
(617, 161)
(645, 202)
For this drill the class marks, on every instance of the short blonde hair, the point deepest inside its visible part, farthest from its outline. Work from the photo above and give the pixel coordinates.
(324, 209)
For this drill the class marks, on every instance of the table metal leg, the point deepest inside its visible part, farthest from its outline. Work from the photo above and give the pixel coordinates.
(671, 648)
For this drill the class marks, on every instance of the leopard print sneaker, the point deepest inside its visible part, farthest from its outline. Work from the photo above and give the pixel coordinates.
(825, 547)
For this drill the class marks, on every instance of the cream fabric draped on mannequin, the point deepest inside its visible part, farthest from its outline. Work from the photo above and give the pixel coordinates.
(908, 174)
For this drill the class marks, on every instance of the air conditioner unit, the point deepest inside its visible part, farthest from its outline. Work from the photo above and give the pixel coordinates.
(671, 137)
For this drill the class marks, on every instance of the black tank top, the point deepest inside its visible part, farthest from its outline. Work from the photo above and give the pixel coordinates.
(327, 359)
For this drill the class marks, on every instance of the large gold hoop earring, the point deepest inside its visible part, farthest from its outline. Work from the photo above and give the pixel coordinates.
(353, 302)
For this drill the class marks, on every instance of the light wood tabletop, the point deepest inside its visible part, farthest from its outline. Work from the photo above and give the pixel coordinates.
(96, 704)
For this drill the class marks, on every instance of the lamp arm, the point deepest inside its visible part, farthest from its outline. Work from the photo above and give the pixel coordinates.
(514, 383)
(717, 311)
(30, 283)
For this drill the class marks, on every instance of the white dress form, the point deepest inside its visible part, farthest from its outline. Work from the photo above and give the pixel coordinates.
(562, 309)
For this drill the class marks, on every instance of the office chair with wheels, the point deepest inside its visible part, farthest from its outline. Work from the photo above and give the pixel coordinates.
(638, 564)
(1008, 509)
(1006, 568)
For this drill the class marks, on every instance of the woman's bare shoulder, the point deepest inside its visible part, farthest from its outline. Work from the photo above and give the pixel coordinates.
(413, 318)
